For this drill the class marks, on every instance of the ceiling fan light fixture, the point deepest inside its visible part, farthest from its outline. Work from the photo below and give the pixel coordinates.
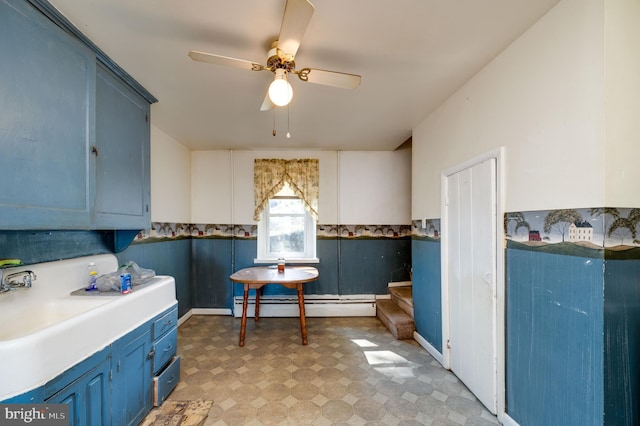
(280, 90)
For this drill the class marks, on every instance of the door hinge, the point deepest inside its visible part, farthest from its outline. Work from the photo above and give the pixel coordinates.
(448, 344)
(146, 118)
(118, 365)
(110, 375)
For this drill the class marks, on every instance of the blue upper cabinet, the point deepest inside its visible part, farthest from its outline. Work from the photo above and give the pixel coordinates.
(74, 128)
(47, 97)
(121, 155)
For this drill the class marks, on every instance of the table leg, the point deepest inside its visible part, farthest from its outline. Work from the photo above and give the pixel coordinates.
(257, 312)
(303, 320)
(243, 323)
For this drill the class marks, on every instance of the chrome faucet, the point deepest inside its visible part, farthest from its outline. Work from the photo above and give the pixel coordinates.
(16, 280)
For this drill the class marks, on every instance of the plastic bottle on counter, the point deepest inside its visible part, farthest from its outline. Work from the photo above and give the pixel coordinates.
(93, 276)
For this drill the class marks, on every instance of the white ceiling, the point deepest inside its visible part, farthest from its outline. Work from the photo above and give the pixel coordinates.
(412, 54)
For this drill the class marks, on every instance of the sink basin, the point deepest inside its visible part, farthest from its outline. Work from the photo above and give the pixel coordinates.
(33, 319)
(46, 330)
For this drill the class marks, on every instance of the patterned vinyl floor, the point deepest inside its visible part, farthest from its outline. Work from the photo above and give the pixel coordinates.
(352, 372)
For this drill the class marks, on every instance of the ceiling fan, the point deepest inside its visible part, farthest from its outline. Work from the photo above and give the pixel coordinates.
(280, 59)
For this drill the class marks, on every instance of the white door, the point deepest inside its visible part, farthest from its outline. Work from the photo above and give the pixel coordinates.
(470, 268)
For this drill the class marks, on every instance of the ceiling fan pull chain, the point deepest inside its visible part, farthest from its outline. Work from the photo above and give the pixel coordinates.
(288, 133)
(274, 122)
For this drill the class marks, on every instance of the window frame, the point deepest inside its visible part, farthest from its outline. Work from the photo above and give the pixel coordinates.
(309, 254)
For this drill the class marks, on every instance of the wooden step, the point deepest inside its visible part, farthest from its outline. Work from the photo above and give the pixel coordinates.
(403, 297)
(399, 323)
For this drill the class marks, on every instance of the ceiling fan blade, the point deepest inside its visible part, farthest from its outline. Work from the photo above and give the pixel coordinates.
(210, 58)
(267, 104)
(330, 78)
(297, 15)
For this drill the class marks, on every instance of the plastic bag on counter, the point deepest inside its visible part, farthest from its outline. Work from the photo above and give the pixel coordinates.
(111, 281)
(108, 282)
(138, 275)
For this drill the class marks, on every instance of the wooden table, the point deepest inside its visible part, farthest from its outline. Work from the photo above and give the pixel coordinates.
(256, 277)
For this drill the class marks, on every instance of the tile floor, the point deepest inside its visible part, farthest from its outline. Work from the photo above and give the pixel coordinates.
(353, 372)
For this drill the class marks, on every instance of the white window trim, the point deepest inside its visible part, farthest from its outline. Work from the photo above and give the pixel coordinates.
(310, 242)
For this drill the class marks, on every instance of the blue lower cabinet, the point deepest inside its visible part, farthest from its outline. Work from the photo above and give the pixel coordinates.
(166, 365)
(136, 358)
(132, 363)
(88, 397)
(164, 349)
(34, 396)
(165, 381)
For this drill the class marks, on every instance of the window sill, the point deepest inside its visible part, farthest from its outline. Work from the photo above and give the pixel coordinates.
(288, 261)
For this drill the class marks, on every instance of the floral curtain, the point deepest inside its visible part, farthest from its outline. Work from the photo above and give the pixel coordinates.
(270, 175)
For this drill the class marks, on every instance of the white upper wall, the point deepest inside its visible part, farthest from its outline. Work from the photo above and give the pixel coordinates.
(355, 187)
(543, 100)
(375, 187)
(622, 70)
(222, 184)
(211, 189)
(170, 179)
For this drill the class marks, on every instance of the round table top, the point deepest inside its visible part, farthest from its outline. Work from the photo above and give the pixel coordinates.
(270, 275)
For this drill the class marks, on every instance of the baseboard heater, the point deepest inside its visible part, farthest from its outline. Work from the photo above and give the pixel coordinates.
(362, 305)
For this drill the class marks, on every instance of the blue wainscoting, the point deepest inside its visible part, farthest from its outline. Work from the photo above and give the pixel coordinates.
(622, 342)
(554, 339)
(427, 290)
(329, 282)
(367, 265)
(244, 253)
(211, 265)
(347, 266)
(172, 257)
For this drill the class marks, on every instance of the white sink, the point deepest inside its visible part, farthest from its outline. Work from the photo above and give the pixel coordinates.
(45, 330)
(32, 319)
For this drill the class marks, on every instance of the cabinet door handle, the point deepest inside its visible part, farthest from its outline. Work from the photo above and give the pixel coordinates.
(94, 150)
(151, 354)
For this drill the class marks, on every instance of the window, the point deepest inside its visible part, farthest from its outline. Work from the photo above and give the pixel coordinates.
(286, 229)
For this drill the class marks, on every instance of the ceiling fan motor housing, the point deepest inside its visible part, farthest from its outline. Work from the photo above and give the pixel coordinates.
(277, 58)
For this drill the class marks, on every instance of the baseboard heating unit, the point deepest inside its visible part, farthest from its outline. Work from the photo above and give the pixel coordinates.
(360, 305)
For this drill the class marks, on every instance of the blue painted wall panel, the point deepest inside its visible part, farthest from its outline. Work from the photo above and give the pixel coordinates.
(244, 252)
(622, 342)
(46, 246)
(211, 265)
(166, 258)
(328, 283)
(554, 339)
(427, 290)
(368, 265)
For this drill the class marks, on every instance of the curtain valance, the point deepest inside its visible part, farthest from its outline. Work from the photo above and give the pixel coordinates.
(270, 175)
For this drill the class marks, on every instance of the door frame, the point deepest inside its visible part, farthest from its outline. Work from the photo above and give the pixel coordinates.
(499, 341)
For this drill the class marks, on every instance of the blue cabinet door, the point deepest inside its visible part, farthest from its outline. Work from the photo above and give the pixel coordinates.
(88, 397)
(121, 155)
(47, 101)
(132, 377)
